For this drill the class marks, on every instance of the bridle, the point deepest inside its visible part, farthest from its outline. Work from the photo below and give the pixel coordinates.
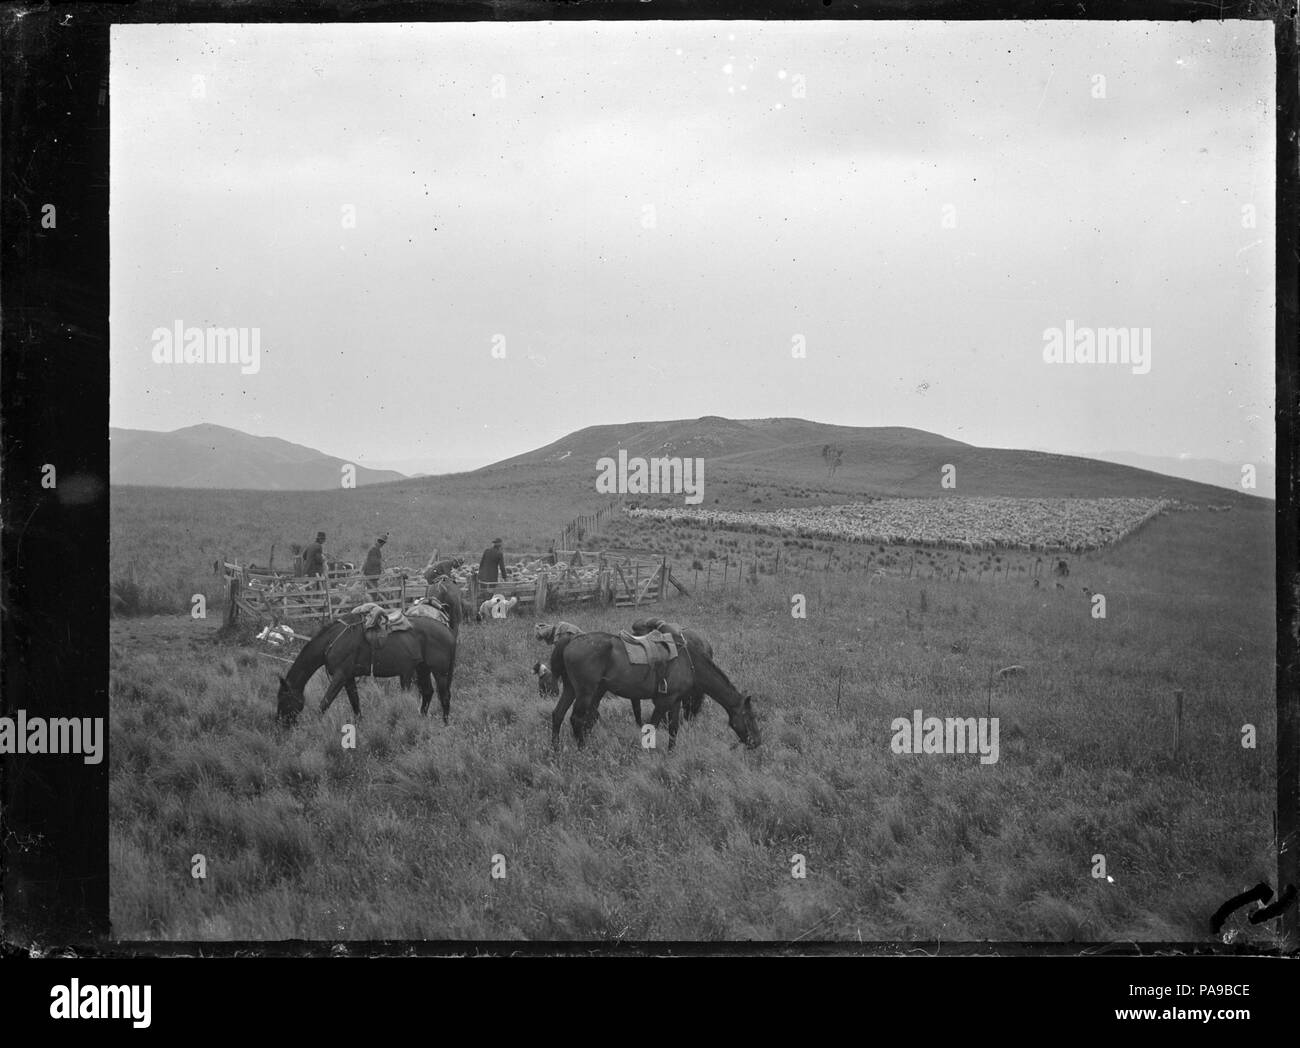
(330, 647)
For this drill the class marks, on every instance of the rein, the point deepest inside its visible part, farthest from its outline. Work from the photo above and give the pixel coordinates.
(336, 640)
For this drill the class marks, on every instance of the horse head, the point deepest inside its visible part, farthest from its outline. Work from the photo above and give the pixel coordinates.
(289, 702)
(744, 722)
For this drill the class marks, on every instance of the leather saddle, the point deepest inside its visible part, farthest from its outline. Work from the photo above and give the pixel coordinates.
(655, 649)
(649, 649)
(379, 622)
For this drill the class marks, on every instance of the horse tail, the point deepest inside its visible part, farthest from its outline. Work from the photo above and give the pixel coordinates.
(453, 608)
(557, 658)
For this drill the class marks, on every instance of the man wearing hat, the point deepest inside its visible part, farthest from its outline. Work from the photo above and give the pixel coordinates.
(492, 567)
(374, 565)
(313, 557)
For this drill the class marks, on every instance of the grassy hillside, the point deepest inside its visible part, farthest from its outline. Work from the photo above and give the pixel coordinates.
(164, 541)
(395, 839)
(784, 455)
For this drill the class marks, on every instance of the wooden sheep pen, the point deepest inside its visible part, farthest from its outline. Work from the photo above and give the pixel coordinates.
(579, 576)
(624, 579)
(283, 597)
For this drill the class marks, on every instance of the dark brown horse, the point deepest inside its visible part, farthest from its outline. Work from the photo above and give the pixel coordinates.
(592, 664)
(425, 653)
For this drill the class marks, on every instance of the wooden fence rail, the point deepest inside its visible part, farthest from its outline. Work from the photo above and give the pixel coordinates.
(618, 578)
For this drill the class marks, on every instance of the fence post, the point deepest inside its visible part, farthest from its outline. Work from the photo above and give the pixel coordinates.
(232, 609)
(1178, 725)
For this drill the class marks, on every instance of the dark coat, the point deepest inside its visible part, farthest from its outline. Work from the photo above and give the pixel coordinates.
(374, 564)
(493, 565)
(313, 560)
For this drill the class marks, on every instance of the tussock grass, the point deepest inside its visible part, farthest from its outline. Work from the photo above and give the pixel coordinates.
(396, 838)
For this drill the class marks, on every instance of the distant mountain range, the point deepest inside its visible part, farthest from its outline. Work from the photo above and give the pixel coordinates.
(208, 456)
(784, 456)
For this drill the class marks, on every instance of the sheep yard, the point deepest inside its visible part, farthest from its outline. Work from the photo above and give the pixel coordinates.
(400, 836)
(972, 524)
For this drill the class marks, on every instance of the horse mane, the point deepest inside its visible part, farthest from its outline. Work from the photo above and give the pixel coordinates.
(700, 656)
(313, 652)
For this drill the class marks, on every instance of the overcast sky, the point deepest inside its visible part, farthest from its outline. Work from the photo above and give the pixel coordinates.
(651, 214)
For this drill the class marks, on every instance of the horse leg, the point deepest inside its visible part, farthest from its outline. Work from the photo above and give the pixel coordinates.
(354, 696)
(672, 723)
(424, 678)
(582, 718)
(443, 680)
(561, 708)
(602, 689)
(338, 679)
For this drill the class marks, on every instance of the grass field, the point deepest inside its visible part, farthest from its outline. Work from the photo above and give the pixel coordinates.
(305, 839)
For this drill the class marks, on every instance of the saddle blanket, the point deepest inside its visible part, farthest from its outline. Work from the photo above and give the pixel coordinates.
(649, 649)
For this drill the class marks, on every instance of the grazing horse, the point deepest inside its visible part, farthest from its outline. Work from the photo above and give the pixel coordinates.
(425, 652)
(695, 643)
(591, 664)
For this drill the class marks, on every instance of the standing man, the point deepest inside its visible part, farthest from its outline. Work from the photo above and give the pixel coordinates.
(313, 557)
(492, 567)
(374, 565)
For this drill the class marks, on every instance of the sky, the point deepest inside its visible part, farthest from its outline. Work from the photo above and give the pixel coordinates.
(460, 242)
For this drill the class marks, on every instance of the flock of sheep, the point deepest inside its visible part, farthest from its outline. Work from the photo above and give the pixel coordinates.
(968, 524)
(522, 571)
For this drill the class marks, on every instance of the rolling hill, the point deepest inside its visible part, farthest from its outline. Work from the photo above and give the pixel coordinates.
(780, 460)
(208, 456)
(776, 461)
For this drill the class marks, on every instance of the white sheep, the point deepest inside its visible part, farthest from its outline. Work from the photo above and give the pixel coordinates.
(497, 607)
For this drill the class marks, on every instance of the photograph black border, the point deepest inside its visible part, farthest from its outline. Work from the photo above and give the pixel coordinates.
(54, 388)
